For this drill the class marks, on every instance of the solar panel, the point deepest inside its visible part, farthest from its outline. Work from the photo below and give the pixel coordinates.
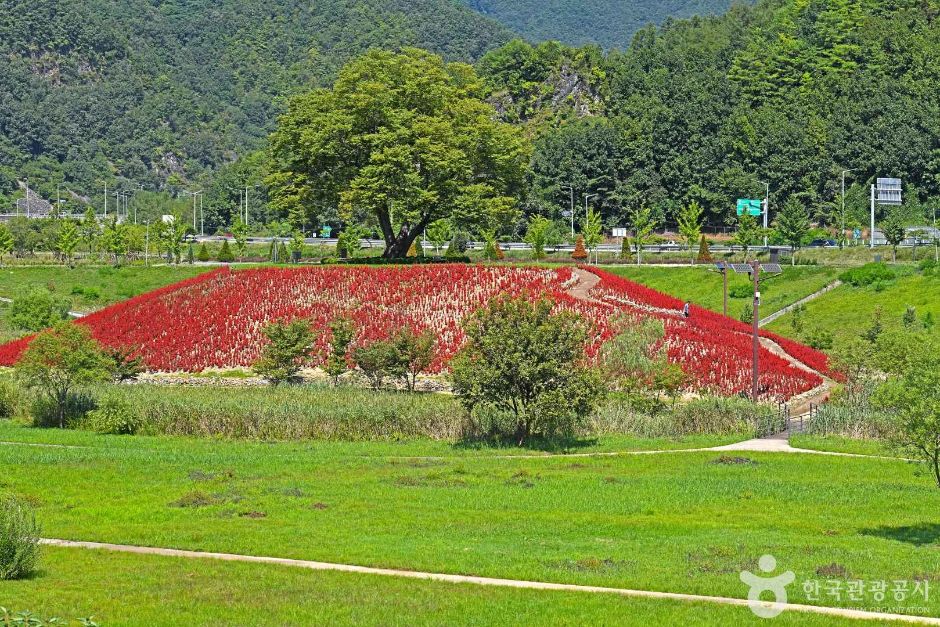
(742, 268)
(721, 266)
(771, 267)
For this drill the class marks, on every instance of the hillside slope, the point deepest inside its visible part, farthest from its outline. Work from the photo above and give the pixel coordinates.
(609, 23)
(160, 91)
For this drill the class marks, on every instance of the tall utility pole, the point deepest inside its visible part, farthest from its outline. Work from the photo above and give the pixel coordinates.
(27, 197)
(147, 245)
(571, 190)
(755, 272)
(766, 209)
(842, 214)
(872, 232)
(105, 200)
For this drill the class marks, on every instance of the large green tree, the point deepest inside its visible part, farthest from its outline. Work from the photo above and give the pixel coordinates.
(401, 140)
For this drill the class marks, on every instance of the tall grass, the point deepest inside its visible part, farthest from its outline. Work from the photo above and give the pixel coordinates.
(281, 413)
(625, 414)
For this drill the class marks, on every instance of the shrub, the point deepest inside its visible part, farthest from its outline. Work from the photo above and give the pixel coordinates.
(704, 253)
(59, 362)
(112, 416)
(19, 539)
(378, 360)
(225, 253)
(524, 360)
(579, 253)
(868, 274)
(37, 309)
(203, 254)
(415, 353)
(343, 332)
(625, 253)
(820, 339)
(289, 345)
(741, 291)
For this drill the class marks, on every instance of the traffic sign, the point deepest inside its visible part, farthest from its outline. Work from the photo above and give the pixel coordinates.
(751, 206)
(619, 232)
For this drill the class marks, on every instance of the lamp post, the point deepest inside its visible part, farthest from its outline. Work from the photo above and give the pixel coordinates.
(571, 208)
(766, 208)
(842, 214)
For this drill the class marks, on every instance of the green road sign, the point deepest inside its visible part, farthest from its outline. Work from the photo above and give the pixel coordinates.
(753, 207)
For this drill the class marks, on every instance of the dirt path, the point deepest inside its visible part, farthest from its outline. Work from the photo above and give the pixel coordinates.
(799, 405)
(765, 321)
(491, 581)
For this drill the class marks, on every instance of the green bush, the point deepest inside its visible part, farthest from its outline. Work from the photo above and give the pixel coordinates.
(37, 309)
(114, 416)
(203, 254)
(741, 291)
(225, 253)
(868, 274)
(19, 539)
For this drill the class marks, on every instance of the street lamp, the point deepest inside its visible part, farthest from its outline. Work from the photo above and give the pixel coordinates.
(842, 214)
(571, 189)
(766, 208)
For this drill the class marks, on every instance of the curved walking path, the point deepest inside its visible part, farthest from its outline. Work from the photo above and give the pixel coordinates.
(777, 314)
(587, 281)
(491, 581)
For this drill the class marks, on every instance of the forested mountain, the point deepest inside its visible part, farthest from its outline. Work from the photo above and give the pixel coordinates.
(159, 92)
(608, 23)
(709, 109)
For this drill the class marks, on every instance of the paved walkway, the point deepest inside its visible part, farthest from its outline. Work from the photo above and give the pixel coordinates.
(765, 321)
(489, 581)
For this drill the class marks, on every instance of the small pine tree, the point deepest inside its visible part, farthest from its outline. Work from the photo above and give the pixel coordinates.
(579, 253)
(625, 253)
(419, 249)
(747, 314)
(225, 253)
(500, 255)
(704, 253)
(283, 256)
(412, 250)
(451, 252)
(203, 254)
(190, 254)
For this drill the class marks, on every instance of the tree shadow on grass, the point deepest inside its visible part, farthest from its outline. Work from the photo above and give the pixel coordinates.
(919, 535)
(548, 445)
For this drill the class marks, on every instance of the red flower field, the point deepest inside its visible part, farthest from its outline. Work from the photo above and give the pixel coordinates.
(215, 320)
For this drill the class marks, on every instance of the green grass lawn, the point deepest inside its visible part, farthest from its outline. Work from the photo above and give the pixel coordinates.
(122, 589)
(681, 522)
(93, 287)
(839, 444)
(703, 287)
(847, 311)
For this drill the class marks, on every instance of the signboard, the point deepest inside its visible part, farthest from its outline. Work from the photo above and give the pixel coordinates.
(619, 232)
(857, 234)
(889, 191)
(325, 231)
(751, 206)
(168, 219)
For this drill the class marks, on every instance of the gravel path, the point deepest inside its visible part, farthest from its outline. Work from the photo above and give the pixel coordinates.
(489, 581)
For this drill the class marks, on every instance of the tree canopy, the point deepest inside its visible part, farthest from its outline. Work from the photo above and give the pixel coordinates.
(401, 140)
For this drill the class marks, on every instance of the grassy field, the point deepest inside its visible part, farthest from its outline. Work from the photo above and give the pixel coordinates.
(703, 287)
(847, 311)
(838, 444)
(681, 522)
(92, 287)
(121, 589)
